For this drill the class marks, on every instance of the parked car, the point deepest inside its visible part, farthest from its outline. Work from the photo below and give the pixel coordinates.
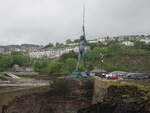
(116, 75)
(137, 76)
(101, 74)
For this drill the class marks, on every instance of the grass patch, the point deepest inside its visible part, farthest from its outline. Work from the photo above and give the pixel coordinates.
(123, 83)
(2, 76)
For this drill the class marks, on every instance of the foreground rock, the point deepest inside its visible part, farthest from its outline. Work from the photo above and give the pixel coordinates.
(65, 96)
(122, 99)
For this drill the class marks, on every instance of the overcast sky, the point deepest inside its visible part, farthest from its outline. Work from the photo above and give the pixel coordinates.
(44, 21)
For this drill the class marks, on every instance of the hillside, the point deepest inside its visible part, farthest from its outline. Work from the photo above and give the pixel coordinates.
(128, 63)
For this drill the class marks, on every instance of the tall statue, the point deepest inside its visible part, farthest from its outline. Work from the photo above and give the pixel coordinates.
(81, 56)
(82, 44)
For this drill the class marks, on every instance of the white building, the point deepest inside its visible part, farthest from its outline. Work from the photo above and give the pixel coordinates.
(2, 50)
(52, 53)
(102, 39)
(92, 41)
(145, 40)
(73, 44)
(128, 43)
(15, 49)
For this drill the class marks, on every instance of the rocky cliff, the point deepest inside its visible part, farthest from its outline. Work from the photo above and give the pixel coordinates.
(122, 99)
(64, 96)
(79, 96)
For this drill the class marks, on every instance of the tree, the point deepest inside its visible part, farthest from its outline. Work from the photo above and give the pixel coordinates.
(95, 45)
(39, 66)
(53, 66)
(69, 65)
(141, 45)
(77, 41)
(51, 44)
(20, 59)
(57, 44)
(142, 35)
(68, 41)
(71, 54)
(60, 45)
(115, 49)
(93, 57)
(5, 62)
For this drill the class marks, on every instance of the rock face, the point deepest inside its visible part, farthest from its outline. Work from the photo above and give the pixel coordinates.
(42, 104)
(65, 96)
(75, 96)
(121, 99)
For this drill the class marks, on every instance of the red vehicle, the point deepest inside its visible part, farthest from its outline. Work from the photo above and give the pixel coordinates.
(114, 77)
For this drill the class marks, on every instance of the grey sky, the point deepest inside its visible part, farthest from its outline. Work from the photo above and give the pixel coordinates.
(44, 21)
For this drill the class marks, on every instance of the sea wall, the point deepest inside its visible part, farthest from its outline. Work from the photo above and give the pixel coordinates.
(122, 98)
(100, 89)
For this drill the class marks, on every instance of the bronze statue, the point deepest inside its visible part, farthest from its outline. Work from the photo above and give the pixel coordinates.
(81, 56)
(82, 44)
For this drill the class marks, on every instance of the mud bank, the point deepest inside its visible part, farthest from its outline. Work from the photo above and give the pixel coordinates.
(70, 95)
(64, 96)
(7, 97)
